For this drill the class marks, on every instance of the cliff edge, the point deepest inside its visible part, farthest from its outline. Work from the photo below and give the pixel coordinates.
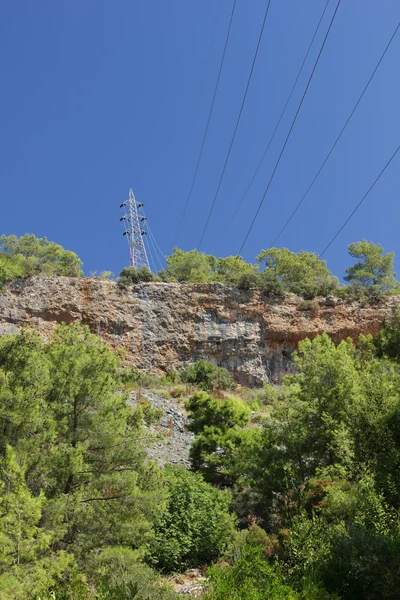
(162, 326)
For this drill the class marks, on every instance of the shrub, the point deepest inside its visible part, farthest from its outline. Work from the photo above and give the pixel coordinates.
(223, 414)
(308, 305)
(207, 376)
(119, 575)
(178, 391)
(131, 275)
(196, 527)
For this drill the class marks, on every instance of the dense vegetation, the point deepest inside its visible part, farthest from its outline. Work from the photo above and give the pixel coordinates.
(295, 489)
(79, 502)
(277, 271)
(318, 482)
(29, 255)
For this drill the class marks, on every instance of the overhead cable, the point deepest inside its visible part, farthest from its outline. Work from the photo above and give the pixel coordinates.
(207, 124)
(338, 137)
(281, 115)
(237, 124)
(290, 129)
(361, 201)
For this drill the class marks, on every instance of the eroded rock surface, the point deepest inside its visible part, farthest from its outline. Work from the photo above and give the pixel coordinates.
(163, 326)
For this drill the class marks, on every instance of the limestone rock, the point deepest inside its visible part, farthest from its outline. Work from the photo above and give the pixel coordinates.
(163, 326)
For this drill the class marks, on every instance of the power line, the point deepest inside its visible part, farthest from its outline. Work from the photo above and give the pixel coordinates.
(290, 130)
(337, 139)
(237, 124)
(361, 201)
(281, 115)
(207, 124)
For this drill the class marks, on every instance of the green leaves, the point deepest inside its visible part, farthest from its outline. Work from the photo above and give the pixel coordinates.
(29, 255)
(374, 269)
(207, 376)
(196, 526)
(301, 273)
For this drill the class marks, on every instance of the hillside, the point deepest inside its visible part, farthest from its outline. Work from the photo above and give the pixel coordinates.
(162, 326)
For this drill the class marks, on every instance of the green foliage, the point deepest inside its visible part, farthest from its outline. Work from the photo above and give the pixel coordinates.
(196, 527)
(27, 565)
(81, 507)
(207, 376)
(220, 438)
(38, 256)
(387, 342)
(302, 273)
(197, 267)
(321, 475)
(266, 281)
(203, 410)
(374, 267)
(253, 577)
(11, 267)
(131, 275)
(120, 575)
(192, 266)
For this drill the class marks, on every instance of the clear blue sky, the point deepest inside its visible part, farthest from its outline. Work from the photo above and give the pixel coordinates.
(100, 96)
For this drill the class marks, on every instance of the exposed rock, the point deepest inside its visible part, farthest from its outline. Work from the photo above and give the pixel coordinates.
(173, 444)
(163, 326)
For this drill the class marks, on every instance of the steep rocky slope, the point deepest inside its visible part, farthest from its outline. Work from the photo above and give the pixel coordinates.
(162, 326)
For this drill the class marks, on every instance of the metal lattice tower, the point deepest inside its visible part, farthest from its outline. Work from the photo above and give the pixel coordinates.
(135, 232)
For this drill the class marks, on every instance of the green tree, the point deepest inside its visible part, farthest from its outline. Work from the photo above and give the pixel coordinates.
(301, 273)
(207, 376)
(231, 269)
(374, 267)
(11, 268)
(220, 439)
(28, 566)
(81, 441)
(192, 266)
(203, 410)
(40, 256)
(196, 527)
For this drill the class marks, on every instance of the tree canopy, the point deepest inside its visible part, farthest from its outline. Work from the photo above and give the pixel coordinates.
(29, 255)
(301, 273)
(374, 267)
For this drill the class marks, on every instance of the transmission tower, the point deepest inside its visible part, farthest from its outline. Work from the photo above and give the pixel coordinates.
(133, 220)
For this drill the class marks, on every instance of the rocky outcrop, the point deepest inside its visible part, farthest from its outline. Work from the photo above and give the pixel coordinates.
(163, 326)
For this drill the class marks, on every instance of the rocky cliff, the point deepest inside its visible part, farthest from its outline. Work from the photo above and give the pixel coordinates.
(163, 326)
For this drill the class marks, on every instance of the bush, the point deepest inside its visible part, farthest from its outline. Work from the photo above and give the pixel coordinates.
(265, 281)
(196, 527)
(131, 377)
(119, 575)
(308, 305)
(178, 391)
(131, 275)
(207, 376)
(223, 414)
(253, 577)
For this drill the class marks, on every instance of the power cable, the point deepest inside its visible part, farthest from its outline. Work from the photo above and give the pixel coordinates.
(207, 124)
(290, 130)
(361, 201)
(337, 139)
(237, 124)
(281, 116)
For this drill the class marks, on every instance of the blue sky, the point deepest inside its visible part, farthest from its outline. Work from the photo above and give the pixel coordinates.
(100, 96)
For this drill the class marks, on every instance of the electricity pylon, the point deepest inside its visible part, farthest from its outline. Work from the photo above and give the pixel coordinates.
(133, 221)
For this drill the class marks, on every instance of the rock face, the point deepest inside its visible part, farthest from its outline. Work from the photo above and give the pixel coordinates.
(163, 326)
